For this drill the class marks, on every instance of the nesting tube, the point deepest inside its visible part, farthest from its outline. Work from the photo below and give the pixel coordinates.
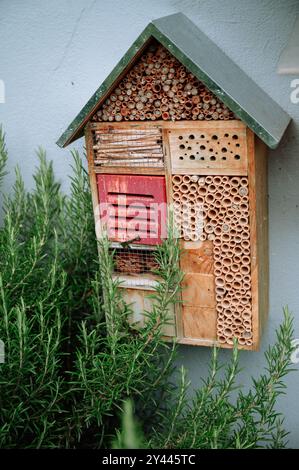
(220, 209)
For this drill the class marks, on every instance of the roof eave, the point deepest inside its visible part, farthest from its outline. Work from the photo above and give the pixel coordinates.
(154, 29)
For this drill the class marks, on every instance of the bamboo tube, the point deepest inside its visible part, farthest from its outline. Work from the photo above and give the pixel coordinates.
(218, 232)
(238, 277)
(247, 324)
(186, 179)
(212, 188)
(217, 250)
(199, 200)
(194, 178)
(235, 181)
(237, 250)
(226, 262)
(239, 229)
(217, 180)
(242, 341)
(193, 188)
(244, 181)
(247, 285)
(243, 191)
(227, 188)
(221, 339)
(225, 227)
(218, 197)
(217, 272)
(217, 241)
(230, 213)
(229, 277)
(176, 195)
(226, 202)
(247, 335)
(209, 228)
(246, 260)
(228, 332)
(233, 191)
(209, 199)
(184, 188)
(225, 237)
(202, 190)
(177, 179)
(237, 259)
(235, 268)
(219, 282)
(245, 234)
(220, 290)
(225, 269)
(225, 248)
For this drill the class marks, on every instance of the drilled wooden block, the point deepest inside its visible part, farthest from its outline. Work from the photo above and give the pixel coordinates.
(209, 150)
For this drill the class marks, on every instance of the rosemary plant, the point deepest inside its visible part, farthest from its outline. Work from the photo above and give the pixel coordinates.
(221, 415)
(71, 357)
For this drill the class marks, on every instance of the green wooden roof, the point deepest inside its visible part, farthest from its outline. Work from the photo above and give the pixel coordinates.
(210, 65)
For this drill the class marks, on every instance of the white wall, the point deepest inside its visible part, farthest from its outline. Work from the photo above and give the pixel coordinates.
(53, 55)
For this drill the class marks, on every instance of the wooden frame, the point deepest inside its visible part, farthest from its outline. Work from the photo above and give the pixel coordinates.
(258, 212)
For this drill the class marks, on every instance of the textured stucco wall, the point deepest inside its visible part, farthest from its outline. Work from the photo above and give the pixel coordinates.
(54, 55)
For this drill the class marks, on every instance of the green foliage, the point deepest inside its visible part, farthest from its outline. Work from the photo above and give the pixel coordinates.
(3, 155)
(66, 371)
(130, 436)
(72, 360)
(221, 416)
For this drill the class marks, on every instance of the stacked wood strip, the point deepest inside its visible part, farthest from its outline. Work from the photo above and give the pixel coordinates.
(216, 208)
(157, 87)
(128, 147)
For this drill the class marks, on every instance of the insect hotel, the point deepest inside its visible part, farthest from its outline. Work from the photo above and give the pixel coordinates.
(177, 123)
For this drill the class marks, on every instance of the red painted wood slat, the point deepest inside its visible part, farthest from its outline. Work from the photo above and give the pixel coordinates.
(133, 206)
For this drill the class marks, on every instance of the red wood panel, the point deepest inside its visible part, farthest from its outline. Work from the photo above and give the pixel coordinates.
(133, 207)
